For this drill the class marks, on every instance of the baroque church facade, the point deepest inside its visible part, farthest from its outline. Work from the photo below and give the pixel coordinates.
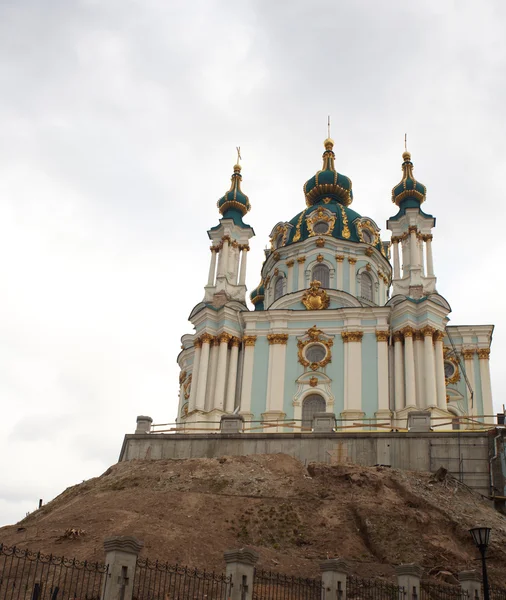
(342, 322)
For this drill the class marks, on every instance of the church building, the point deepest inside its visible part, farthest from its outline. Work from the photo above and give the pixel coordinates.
(341, 321)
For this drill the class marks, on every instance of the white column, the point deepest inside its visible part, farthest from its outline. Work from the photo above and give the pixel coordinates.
(383, 402)
(397, 270)
(200, 400)
(413, 246)
(276, 376)
(430, 367)
(353, 278)
(405, 256)
(409, 366)
(301, 283)
(428, 248)
(419, 238)
(197, 345)
(440, 370)
(221, 372)
(339, 274)
(353, 402)
(224, 257)
(244, 256)
(212, 266)
(486, 386)
(247, 373)
(232, 375)
(468, 354)
(398, 371)
(213, 367)
(381, 290)
(289, 277)
(419, 369)
(234, 262)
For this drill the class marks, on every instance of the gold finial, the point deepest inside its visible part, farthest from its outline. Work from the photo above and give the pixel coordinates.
(237, 166)
(406, 155)
(329, 142)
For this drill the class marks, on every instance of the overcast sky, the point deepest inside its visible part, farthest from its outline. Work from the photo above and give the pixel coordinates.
(118, 126)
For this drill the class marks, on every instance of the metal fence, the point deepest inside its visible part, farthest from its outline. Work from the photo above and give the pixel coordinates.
(36, 576)
(497, 593)
(161, 581)
(275, 586)
(372, 589)
(441, 591)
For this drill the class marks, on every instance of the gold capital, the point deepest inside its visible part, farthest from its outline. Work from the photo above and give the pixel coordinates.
(369, 251)
(483, 353)
(289, 263)
(439, 335)
(352, 260)
(352, 336)
(235, 342)
(381, 336)
(206, 338)
(224, 337)
(320, 242)
(301, 259)
(468, 353)
(407, 332)
(427, 331)
(277, 338)
(398, 336)
(339, 257)
(249, 340)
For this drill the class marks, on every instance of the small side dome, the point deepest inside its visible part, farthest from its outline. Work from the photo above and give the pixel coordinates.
(409, 187)
(234, 199)
(328, 182)
(257, 296)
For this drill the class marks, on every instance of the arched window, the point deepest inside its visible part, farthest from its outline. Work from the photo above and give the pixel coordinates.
(321, 273)
(314, 403)
(278, 288)
(366, 286)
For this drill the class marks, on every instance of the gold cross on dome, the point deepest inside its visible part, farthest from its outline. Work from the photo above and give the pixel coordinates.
(328, 126)
(405, 142)
(239, 157)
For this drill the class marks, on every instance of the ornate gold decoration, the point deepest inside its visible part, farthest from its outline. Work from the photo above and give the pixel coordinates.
(266, 281)
(352, 260)
(182, 377)
(407, 331)
(277, 338)
(313, 382)
(279, 230)
(249, 340)
(383, 246)
(346, 230)
(224, 337)
(412, 229)
(352, 336)
(369, 251)
(398, 336)
(206, 338)
(327, 200)
(427, 331)
(315, 336)
(301, 259)
(395, 239)
(185, 410)
(339, 257)
(468, 353)
(197, 343)
(275, 255)
(320, 243)
(321, 214)
(235, 244)
(366, 224)
(214, 249)
(368, 267)
(314, 298)
(216, 340)
(296, 237)
(235, 342)
(439, 335)
(289, 263)
(418, 336)
(187, 387)
(381, 336)
(319, 258)
(276, 272)
(483, 353)
(427, 237)
(449, 356)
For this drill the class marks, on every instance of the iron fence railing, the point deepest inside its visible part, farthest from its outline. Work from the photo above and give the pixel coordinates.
(156, 580)
(26, 575)
(441, 591)
(275, 586)
(358, 588)
(497, 593)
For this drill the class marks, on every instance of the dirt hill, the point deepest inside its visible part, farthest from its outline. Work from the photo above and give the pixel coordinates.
(190, 511)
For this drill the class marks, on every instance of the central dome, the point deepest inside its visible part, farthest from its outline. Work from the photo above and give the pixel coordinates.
(328, 182)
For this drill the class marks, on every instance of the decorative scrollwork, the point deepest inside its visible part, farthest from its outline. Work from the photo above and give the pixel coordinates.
(315, 298)
(315, 336)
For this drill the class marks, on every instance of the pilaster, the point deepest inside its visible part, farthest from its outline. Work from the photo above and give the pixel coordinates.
(398, 371)
(197, 345)
(353, 364)
(440, 370)
(486, 386)
(383, 400)
(289, 276)
(200, 400)
(232, 374)
(353, 278)
(339, 273)
(276, 376)
(409, 366)
(247, 373)
(430, 366)
(219, 397)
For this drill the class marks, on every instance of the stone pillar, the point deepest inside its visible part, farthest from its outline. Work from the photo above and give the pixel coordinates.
(244, 257)
(428, 249)
(247, 373)
(419, 368)
(200, 400)
(408, 577)
(398, 371)
(213, 368)
(276, 375)
(339, 274)
(324, 422)
(486, 386)
(224, 256)
(383, 400)
(143, 424)
(301, 284)
(405, 256)
(468, 354)
(121, 555)
(241, 569)
(197, 344)
(430, 366)
(419, 239)
(381, 289)
(397, 270)
(470, 582)
(353, 278)
(212, 266)
(334, 574)
(413, 246)
(289, 276)
(409, 366)
(353, 366)
(233, 266)
(440, 369)
(221, 371)
(232, 374)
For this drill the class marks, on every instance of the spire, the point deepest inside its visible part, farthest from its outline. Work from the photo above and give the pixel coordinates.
(408, 187)
(234, 201)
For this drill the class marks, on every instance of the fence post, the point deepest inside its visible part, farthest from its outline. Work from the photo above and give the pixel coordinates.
(121, 553)
(334, 573)
(143, 424)
(408, 577)
(241, 570)
(470, 582)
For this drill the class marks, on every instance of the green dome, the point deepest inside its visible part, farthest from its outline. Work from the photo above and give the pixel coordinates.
(409, 187)
(234, 201)
(328, 182)
(257, 296)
